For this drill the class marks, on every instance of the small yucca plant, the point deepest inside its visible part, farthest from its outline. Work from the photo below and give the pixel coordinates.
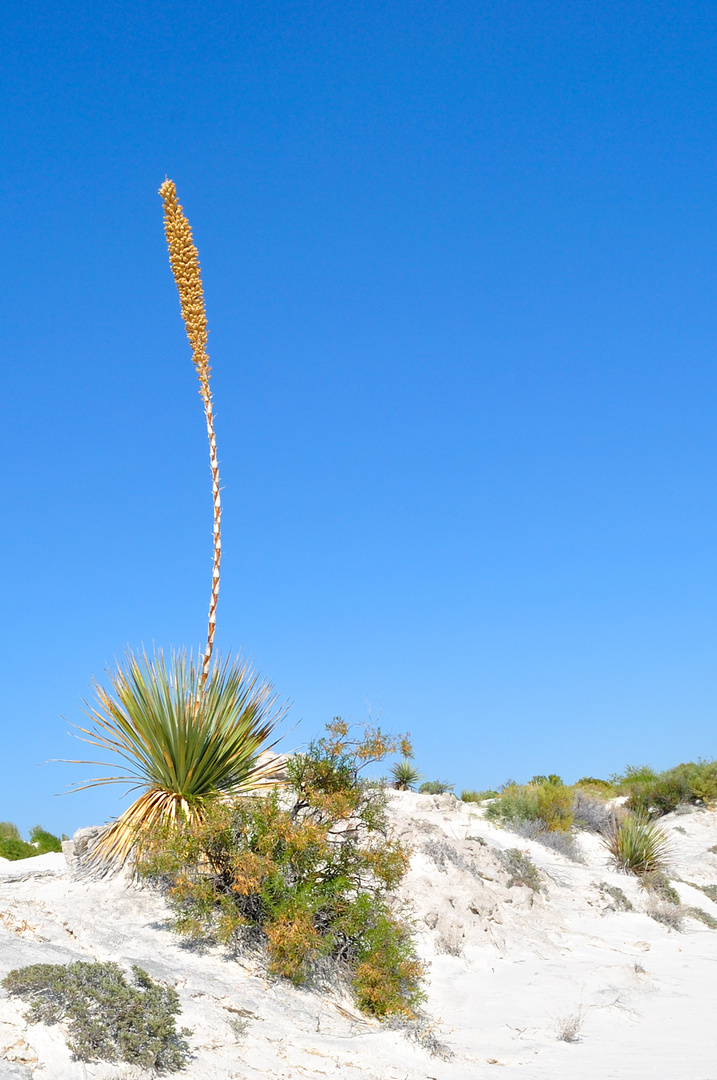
(405, 775)
(638, 845)
(180, 745)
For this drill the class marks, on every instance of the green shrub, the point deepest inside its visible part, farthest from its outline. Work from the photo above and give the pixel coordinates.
(637, 845)
(16, 849)
(541, 800)
(435, 787)
(478, 796)
(620, 901)
(702, 916)
(44, 841)
(659, 884)
(633, 774)
(596, 785)
(13, 847)
(109, 1019)
(654, 794)
(305, 873)
(520, 869)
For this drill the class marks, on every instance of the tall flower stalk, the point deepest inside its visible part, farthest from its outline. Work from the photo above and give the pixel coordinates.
(184, 261)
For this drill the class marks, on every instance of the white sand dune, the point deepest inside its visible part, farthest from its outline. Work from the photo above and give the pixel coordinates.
(508, 968)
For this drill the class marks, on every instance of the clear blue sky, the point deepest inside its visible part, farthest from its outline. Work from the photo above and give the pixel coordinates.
(460, 269)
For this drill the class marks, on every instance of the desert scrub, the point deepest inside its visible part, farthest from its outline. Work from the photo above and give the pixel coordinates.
(620, 902)
(556, 840)
(108, 1018)
(478, 796)
(637, 845)
(13, 847)
(702, 916)
(545, 799)
(654, 794)
(305, 873)
(590, 812)
(521, 871)
(659, 885)
(435, 787)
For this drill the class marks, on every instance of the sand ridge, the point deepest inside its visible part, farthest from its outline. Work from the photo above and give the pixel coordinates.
(509, 968)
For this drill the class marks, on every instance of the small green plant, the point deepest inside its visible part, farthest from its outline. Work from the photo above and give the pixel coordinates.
(659, 885)
(108, 1018)
(596, 785)
(520, 869)
(435, 787)
(478, 796)
(637, 845)
(702, 916)
(405, 775)
(9, 831)
(620, 901)
(304, 874)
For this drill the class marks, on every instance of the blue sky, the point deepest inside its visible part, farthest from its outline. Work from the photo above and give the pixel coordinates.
(459, 262)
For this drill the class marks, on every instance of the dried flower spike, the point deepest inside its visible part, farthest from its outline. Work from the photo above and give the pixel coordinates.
(184, 261)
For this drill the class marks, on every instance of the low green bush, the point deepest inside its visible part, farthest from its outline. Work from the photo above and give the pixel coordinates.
(654, 794)
(521, 870)
(44, 841)
(108, 1018)
(595, 784)
(305, 874)
(13, 847)
(478, 796)
(544, 799)
(435, 787)
(658, 883)
(620, 901)
(702, 916)
(16, 849)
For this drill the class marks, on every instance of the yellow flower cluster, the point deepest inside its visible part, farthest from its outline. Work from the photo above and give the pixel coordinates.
(184, 260)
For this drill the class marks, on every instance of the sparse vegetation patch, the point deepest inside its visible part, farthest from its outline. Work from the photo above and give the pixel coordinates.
(520, 869)
(305, 874)
(108, 1018)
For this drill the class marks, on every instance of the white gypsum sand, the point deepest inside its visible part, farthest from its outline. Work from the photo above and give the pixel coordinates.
(514, 975)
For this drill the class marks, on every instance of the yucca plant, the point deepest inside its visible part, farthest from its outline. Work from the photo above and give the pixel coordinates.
(405, 775)
(182, 745)
(185, 731)
(638, 845)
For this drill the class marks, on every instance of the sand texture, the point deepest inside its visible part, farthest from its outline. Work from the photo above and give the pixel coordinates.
(509, 968)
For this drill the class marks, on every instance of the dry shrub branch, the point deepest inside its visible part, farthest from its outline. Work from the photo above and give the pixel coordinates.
(306, 874)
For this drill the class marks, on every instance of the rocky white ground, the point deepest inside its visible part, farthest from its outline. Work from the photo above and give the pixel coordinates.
(509, 968)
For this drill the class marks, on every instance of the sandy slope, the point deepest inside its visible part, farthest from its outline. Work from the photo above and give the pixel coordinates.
(506, 966)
